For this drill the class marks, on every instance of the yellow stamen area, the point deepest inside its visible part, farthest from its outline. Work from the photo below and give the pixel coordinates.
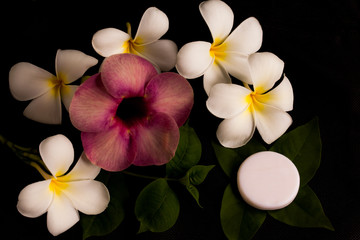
(253, 101)
(218, 50)
(57, 187)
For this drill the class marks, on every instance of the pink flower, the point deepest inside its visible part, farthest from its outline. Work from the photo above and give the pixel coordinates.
(130, 114)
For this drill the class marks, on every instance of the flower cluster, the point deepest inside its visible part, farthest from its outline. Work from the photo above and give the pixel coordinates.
(129, 113)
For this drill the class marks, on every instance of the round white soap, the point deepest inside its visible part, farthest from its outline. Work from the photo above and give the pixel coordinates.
(268, 180)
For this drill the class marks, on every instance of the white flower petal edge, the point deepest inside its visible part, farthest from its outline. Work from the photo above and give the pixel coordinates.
(246, 38)
(57, 153)
(219, 18)
(27, 81)
(46, 108)
(237, 131)
(215, 74)
(266, 68)
(271, 122)
(88, 196)
(72, 64)
(153, 25)
(161, 53)
(61, 215)
(194, 59)
(282, 96)
(62, 196)
(109, 41)
(227, 100)
(35, 199)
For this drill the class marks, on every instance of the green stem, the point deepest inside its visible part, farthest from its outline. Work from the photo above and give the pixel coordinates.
(148, 177)
(28, 155)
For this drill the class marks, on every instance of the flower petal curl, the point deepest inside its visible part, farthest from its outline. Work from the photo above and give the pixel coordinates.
(237, 131)
(153, 25)
(119, 139)
(88, 196)
(57, 153)
(171, 94)
(156, 139)
(227, 100)
(27, 81)
(194, 59)
(35, 199)
(271, 122)
(215, 74)
(219, 18)
(125, 75)
(92, 108)
(72, 64)
(45, 108)
(109, 41)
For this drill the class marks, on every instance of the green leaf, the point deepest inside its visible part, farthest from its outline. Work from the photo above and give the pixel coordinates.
(195, 176)
(302, 146)
(304, 211)
(230, 158)
(198, 173)
(157, 207)
(188, 153)
(111, 218)
(239, 221)
(194, 192)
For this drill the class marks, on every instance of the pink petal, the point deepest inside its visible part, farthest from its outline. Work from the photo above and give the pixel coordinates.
(126, 75)
(156, 139)
(112, 150)
(171, 94)
(92, 108)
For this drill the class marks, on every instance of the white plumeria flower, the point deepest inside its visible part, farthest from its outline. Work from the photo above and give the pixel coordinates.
(262, 107)
(63, 195)
(153, 25)
(29, 82)
(228, 54)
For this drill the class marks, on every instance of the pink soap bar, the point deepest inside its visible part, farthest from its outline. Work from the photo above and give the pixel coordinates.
(268, 180)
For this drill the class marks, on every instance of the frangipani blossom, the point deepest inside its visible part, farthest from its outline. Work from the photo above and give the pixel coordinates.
(130, 114)
(262, 106)
(62, 195)
(228, 54)
(153, 25)
(29, 82)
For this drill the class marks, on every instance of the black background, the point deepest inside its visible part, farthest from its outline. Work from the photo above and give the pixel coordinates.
(319, 43)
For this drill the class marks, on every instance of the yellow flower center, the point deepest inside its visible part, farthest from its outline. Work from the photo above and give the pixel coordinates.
(57, 186)
(218, 50)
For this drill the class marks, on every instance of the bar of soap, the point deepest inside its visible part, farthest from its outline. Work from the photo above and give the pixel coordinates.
(268, 180)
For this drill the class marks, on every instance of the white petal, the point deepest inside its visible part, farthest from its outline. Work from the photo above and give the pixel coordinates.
(271, 122)
(83, 170)
(72, 64)
(67, 93)
(61, 215)
(46, 108)
(88, 196)
(162, 53)
(219, 17)
(266, 68)
(246, 38)
(57, 153)
(237, 131)
(237, 65)
(214, 75)
(27, 81)
(227, 100)
(281, 96)
(109, 41)
(194, 59)
(35, 199)
(153, 25)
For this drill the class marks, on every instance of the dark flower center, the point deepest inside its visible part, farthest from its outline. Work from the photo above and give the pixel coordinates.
(131, 109)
